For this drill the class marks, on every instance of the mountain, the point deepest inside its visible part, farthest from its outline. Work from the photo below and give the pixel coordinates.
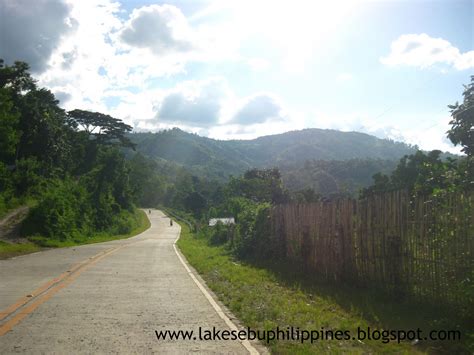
(219, 159)
(329, 177)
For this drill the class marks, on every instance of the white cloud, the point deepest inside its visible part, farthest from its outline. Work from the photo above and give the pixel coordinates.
(344, 77)
(194, 103)
(114, 54)
(34, 30)
(162, 29)
(207, 107)
(258, 64)
(97, 54)
(428, 133)
(358, 122)
(295, 31)
(74, 67)
(423, 51)
(432, 134)
(259, 108)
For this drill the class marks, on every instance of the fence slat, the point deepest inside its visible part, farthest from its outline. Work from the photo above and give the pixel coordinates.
(422, 247)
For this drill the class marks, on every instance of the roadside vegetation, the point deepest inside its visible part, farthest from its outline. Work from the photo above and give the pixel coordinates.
(36, 243)
(264, 300)
(222, 253)
(9, 250)
(70, 168)
(82, 179)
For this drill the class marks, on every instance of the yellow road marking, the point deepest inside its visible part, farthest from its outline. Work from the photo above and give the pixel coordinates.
(47, 290)
(22, 301)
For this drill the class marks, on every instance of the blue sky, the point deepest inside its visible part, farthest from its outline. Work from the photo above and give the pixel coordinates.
(242, 69)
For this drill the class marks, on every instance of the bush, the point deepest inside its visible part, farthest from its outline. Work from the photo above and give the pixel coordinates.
(61, 213)
(221, 234)
(124, 223)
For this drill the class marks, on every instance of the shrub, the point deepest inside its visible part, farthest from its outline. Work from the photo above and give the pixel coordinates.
(221, 234)
(61, 213)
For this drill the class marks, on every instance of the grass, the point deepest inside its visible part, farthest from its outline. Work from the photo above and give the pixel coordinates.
(9, 250)
(38, 243)
(264, 299)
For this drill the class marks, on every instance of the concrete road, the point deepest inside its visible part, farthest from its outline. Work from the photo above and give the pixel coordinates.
(108, 298)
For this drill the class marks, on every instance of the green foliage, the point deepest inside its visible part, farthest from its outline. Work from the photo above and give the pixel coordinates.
(148, 184)
(104, 129)
(62, 212)
(332, 178)
(263, 298)
(218, 160)
(251, 233)
(196, 203)
(16, 77)
(219, 234)
(358, 155)
(248, 200)
(43, 129)
(71, 163)
(6, 183)
(462, 122)
(8, 250)
(68, 210)
(426, 174)
(138, 221)
(307, 195)
(9, 134)
(27, 178)
(259, 186)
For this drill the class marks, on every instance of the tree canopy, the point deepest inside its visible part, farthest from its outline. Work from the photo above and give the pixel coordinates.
(103, 128)
(462, 122)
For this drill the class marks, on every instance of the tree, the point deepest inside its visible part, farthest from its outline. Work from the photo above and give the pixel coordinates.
(263, 185)
(462, 122)
(196, 203)
(307, 195)
(103, 128)
(43, 129)
(9, 135)
(16, 77)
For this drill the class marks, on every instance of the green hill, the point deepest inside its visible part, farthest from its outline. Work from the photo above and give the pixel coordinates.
(219, 159)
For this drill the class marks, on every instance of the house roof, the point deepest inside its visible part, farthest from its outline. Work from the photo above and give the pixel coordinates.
(225, 221)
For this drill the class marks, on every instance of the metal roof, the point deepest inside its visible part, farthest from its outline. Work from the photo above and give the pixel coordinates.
(225, 221)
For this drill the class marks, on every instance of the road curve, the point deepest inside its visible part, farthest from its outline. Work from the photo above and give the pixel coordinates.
(108, 298)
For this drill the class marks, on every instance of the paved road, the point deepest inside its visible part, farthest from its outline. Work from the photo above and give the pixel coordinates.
(106, 298)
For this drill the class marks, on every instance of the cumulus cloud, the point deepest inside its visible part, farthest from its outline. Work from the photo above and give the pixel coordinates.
(344, 77)
(211, 106)
(195, 104)
(258, 64)
(34, 30)
(95, 58)
(62, 96)
(162, 29)
(258, 109)
(421, 50)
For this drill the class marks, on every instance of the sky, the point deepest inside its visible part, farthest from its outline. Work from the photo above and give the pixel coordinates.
(243, 69)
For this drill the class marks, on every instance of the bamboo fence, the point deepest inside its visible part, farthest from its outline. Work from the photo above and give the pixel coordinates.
(421, 246)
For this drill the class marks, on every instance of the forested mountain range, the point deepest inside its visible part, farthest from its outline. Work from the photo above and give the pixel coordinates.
(308, 144)
(328, 161)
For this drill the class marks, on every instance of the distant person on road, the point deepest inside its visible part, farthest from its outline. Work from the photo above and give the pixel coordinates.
(149, 211)
(171, 222)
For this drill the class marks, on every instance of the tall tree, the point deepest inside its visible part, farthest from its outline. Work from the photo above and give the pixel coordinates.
(9, 135)
(43, 128)
(462, 122)
(16, 77)
(104, 129)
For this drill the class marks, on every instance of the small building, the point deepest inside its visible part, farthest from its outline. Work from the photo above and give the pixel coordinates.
(224, 221)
